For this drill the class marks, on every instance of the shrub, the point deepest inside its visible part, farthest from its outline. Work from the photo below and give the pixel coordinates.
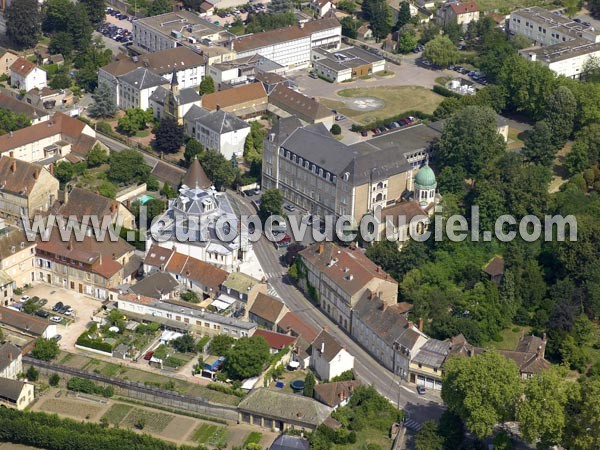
(104, 127)
(336, 130)
(89, 387)
(442, 90)
(54, 379)
(85, 341)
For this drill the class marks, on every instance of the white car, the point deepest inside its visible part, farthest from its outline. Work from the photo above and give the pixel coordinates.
(25, 298)
(69, 312)
(56, 319)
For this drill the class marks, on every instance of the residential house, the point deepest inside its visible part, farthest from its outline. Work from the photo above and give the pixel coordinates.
(48, 98)
(11, 361)
(243, 287)
(293, 325)
(26, 189)
(266, 311)
(16, 394)
(35, 115)
(25, 75)
(49, 141)
(461, 13)
(426, 367)
(346, 64)
(17, 261)
(159, 286)
(249, 100)
(84, 206)
(186, 65)
(270, 409)
(291, 46)
(7, 59)
(288, 442)
(328, 358)
(341, 277)
(386, 333)
(173, 103)
(335, 394)
(276, 341)
(26, 324)
(136, 87)
(494, 269)
(321, 7)
(90, 266)
(195, 275)
(183, 316)
(364, 32)
(206, 8)
(321, 175)
(218, 130)
(285, 102)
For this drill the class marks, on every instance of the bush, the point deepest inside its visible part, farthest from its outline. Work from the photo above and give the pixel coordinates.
(225, 389)
(104, 127)
(32, 374)
(54, 379)
(173, 362)
(336, 130)
(442, 90)
(85, 341)
(89, 387)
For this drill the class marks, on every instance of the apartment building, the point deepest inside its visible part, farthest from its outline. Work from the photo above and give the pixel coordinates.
(291, 46)
(566, 58)
(184, 316)
(173, 102)
(321, 175)
(35, 115)
(544, 27)
(341, 277)
(25, 189)
(173, 29)
(285, 102)
(328, 358)
(180, 62)
(136, 87)
(109, 74)
(49, 141)
(17, 261)
(89, 266)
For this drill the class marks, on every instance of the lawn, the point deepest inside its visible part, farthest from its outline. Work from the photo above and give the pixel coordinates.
(78, 409)
(212, 435)
(505, 6)
(253, 438)
(117, 413)
(153, 421)
(365, 437)
(510, 338)
(397, 99)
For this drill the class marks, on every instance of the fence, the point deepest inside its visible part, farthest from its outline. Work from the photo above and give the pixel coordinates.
(141, 392)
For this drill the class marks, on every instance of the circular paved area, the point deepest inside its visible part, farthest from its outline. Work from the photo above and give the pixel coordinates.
(364, 103)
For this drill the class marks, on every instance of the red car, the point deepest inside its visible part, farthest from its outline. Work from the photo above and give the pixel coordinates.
(148, 356)
(282, 240)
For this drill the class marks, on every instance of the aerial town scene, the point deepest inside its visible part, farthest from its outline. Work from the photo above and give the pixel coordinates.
(300, 225)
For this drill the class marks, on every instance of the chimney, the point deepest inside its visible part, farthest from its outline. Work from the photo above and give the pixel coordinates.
(114, 256)
(383, 306)
(543, 337)
(322, 347)
(10, 134)
(325, 328)
(410, 324)
(218, 107)
(10, 357)
(420, 324)
(13, 166)
(36, 174)
(51, 169)
(321, 248)
(372, 295)
(451, 342)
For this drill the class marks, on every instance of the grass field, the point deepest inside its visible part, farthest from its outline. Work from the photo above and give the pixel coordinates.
(397, 99)
(117, 413)
(153, 421)
(78, 409)
(253, 438)
(510, 338)
(365, 437)
(211, 435)
(505, 6)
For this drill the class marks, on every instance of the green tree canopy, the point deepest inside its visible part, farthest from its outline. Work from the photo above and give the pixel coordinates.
(135, 119)
(127, 166)
(10, 121)
(45, 349)
(560, 114)
(428, 438)
(104, 104)
(540, 148)
(97, 156)
(247, 357)
(219, 170)
(403, 15)
(271, 204)
(221, 344)
(441, 51)
(23, 23)
(207, 85)
(168, 136)
(482, 390)
(193, 149)
(96, 10)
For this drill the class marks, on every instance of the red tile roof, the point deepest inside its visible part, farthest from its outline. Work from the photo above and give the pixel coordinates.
(277, 341)
(22, 67)
(464, 8)
(235, 96)
(197, 270)
(292, 323)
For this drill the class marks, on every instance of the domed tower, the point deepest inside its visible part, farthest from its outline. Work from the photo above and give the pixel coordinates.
(425, 185)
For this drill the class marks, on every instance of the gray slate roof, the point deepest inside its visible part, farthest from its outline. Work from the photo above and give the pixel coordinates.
(8, 353)
(287, 442)
(221, 122)
(143, 78)
(185, 96)
(156, 285)
(433, 353)
(10, 389)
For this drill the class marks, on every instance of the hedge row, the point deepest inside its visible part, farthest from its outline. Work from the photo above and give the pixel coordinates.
(85, 341)
(89, 387)
(225, 389)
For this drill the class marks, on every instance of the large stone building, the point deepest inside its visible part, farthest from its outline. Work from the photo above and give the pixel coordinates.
(323, 176)
(341, 277)
(17, 261)
(26, 189)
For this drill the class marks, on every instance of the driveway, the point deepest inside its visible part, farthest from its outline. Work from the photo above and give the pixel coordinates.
(83, 306)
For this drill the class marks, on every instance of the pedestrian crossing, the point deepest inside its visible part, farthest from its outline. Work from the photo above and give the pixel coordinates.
(272, 292)
(412, 425)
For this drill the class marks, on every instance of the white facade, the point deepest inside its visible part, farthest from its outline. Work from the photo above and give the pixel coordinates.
(328, 369)
(566, 59)
(14, 368)
(187, 78)
(34, 79)
(131, 96)
(227, 144)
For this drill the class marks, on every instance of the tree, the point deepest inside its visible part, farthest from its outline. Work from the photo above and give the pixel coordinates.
(169, 135)
(594, 6)
(428, 438)
(350, 27)
(10, 121)
(429, 32)
(591, 70)
(247, 357)
(127, 166)
(104, 104)
(80, 27)
(271, 204)
(32, 374)
(441, 51)
(336, 130)
(218, 169)
(583, 426)
(406, 43)
(95, 10)
(135, 119)
(279, 6)
(60, 81)
(160, 7)
(453, 31)
(380, 18)
(221, 344)
(54, 379)
(61, 43)
(45, 349)
(193, 150)
(541, 411)
(64, 172)
(560, 114)
(470, 140)
(309, 385)
(578, 158)
(185, 344)
(539, 148)
(482, 390)
(404, 15)
(97, 156)
(107, 189)
(23, 23)
(207, 85)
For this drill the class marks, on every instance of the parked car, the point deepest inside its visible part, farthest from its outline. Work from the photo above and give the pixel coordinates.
(56, 337)
(282, 240)
(421, 390)
(148, 356)
(364, 133)
(58, 306)
(340, 117)
(56, 319)
(43, 314)
(43, 301)
(25, 298)
(289, 207)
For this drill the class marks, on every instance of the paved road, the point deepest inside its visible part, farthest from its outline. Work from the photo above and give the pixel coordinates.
(420, 408)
